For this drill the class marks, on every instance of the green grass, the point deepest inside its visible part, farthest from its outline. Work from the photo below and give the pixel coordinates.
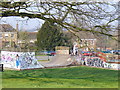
(71, 77)
(41, 55)
(42, 60)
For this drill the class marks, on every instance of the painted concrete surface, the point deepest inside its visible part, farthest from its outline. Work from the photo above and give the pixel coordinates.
(96, 62)
(44, 57)
(28, 61)
(19, 60)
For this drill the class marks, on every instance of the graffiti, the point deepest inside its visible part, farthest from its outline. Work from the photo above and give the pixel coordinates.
(96, 62)
(20, 60)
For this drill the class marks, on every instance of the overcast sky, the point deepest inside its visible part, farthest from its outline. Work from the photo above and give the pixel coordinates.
(24, 23)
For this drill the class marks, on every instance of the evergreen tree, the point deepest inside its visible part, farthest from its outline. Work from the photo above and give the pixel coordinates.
(49, 36)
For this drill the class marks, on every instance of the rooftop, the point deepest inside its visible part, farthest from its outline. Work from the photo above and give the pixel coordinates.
(6, 28)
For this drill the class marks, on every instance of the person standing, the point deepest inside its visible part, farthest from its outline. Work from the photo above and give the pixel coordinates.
(17, 61)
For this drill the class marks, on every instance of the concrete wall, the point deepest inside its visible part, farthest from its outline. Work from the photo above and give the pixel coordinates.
(97, 62)
(62, 51)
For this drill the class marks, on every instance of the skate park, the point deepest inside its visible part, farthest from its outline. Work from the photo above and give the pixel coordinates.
(62, 58)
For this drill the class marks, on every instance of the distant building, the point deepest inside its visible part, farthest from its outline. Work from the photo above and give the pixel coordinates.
(87, 44)
(85, 40)
(6, 28)
(62, 50)
(8, 39)
(8, 36)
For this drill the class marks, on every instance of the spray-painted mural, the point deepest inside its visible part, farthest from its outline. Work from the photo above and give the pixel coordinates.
(19, 60)
(96, 62)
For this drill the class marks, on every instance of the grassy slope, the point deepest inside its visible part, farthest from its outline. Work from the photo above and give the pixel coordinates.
(72, 77)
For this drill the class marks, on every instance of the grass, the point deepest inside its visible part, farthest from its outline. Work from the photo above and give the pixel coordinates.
(71, 77)
(41, 55)
(42, 60)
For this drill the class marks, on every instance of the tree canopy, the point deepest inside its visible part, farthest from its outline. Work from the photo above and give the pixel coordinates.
(95, 17)
(50, 36)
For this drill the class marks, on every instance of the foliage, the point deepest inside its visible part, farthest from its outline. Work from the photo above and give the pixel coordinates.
(23, 35)
(24, 38)
(50, 36)
(71, 77)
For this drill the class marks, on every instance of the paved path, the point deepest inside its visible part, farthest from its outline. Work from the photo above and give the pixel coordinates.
(58, 60)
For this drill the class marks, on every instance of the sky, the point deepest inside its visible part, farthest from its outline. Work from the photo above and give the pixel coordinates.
(24, 24)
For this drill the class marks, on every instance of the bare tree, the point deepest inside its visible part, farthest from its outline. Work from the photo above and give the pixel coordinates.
(93, 17)
(23, 37)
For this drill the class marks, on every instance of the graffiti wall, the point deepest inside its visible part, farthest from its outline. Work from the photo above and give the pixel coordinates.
(97, 62)
(19, 60)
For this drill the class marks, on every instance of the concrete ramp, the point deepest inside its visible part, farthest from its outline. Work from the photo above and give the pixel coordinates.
(19, 60)
(58, 60)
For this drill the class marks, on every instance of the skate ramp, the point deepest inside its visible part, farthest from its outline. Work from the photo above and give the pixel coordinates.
(26, 60)
(98, 62)
(58, 60)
